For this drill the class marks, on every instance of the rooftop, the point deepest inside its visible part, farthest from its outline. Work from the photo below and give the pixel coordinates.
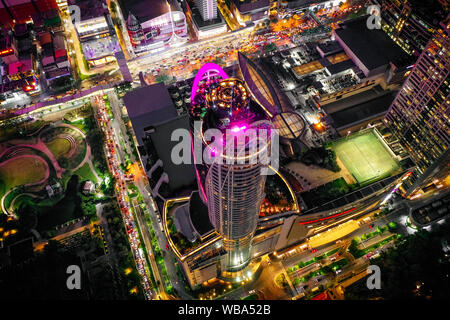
(373, 48)
(364, 111)
(199, 214)
(202, 24)
(143, 11)
(90, 8)
(147, 106)
(180, 175)
(245, 6)
(329, 47)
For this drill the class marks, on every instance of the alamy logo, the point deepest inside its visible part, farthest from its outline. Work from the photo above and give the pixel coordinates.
(74, 280)
(240, 144)
(374, 21)
(75, 13)
(374, 280)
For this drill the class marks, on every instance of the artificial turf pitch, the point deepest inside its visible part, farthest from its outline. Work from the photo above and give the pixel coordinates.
(365, 157)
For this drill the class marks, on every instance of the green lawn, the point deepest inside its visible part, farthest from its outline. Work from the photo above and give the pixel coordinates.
(85, 173)
(365, 157)
(59, 147)
(21, 171)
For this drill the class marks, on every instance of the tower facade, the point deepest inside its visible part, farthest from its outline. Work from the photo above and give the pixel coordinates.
(207, 8)
(411, 23)
(419, 115)
(233, 177)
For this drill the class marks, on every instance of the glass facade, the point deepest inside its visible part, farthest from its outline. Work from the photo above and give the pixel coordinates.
(419, 115)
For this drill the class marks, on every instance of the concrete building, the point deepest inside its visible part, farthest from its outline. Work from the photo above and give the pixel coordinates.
(411, 23)
(247, 11)
(204, 28)
(207, 8)
(152, 27)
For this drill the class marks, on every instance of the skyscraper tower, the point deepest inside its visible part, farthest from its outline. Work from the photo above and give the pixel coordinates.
(233, 179)
(411, 23)
(419, 115)
(207, 8)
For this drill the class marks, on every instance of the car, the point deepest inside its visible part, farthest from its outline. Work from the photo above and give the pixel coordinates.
(313, 250)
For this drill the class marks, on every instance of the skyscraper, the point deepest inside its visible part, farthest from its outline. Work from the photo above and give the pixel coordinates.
(411, 23)
(207, 8)
(232, 180)
(419, 115)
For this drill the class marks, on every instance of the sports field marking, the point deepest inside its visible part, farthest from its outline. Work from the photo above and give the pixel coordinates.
(365, 156)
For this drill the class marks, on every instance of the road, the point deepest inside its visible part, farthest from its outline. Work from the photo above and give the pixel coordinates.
(122, 197)
(140, 180)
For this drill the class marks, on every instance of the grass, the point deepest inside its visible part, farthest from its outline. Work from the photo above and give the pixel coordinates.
(365, 157)
(375, 246)
(327, 254)
(85, 173)
(59, 147)
(21, 171)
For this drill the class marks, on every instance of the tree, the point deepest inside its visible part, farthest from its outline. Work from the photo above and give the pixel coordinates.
(63, 162)
(27, 217)
(415, 268)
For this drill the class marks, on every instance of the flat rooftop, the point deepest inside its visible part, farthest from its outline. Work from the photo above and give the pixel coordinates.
(180, 175)
(364, 111)
(149, 106)
(90, 8)
(99, 48)
(206, 25)
(373, 48)
(143, 10)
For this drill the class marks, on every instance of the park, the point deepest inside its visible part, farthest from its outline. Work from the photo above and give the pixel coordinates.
(43, 166)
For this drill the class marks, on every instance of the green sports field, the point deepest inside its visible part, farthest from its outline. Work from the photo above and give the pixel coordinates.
(365, 157)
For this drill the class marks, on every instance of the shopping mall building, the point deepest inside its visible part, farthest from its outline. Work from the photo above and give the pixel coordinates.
(154, 27)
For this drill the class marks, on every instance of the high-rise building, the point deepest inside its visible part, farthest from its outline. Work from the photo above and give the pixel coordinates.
(232, 181)
(411, 23)
(419, 115)
(152, 27)
(207, 8)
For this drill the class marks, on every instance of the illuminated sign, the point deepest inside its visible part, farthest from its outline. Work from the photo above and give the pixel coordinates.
(326, 218)
(6, 51)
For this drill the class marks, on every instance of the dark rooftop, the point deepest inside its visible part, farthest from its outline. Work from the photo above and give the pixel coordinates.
(147, 106)
(142, 9)
(431, 11)
(90, 8)
(180, 175)
(199, 214)
(341, 66)
(373, 48)
(202, 24)
(364, 111)
(182, 222)
(245, 6)
(329, 47)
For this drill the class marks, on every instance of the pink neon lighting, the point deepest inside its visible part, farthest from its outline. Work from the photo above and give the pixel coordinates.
(206, 69)
(238, 129)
